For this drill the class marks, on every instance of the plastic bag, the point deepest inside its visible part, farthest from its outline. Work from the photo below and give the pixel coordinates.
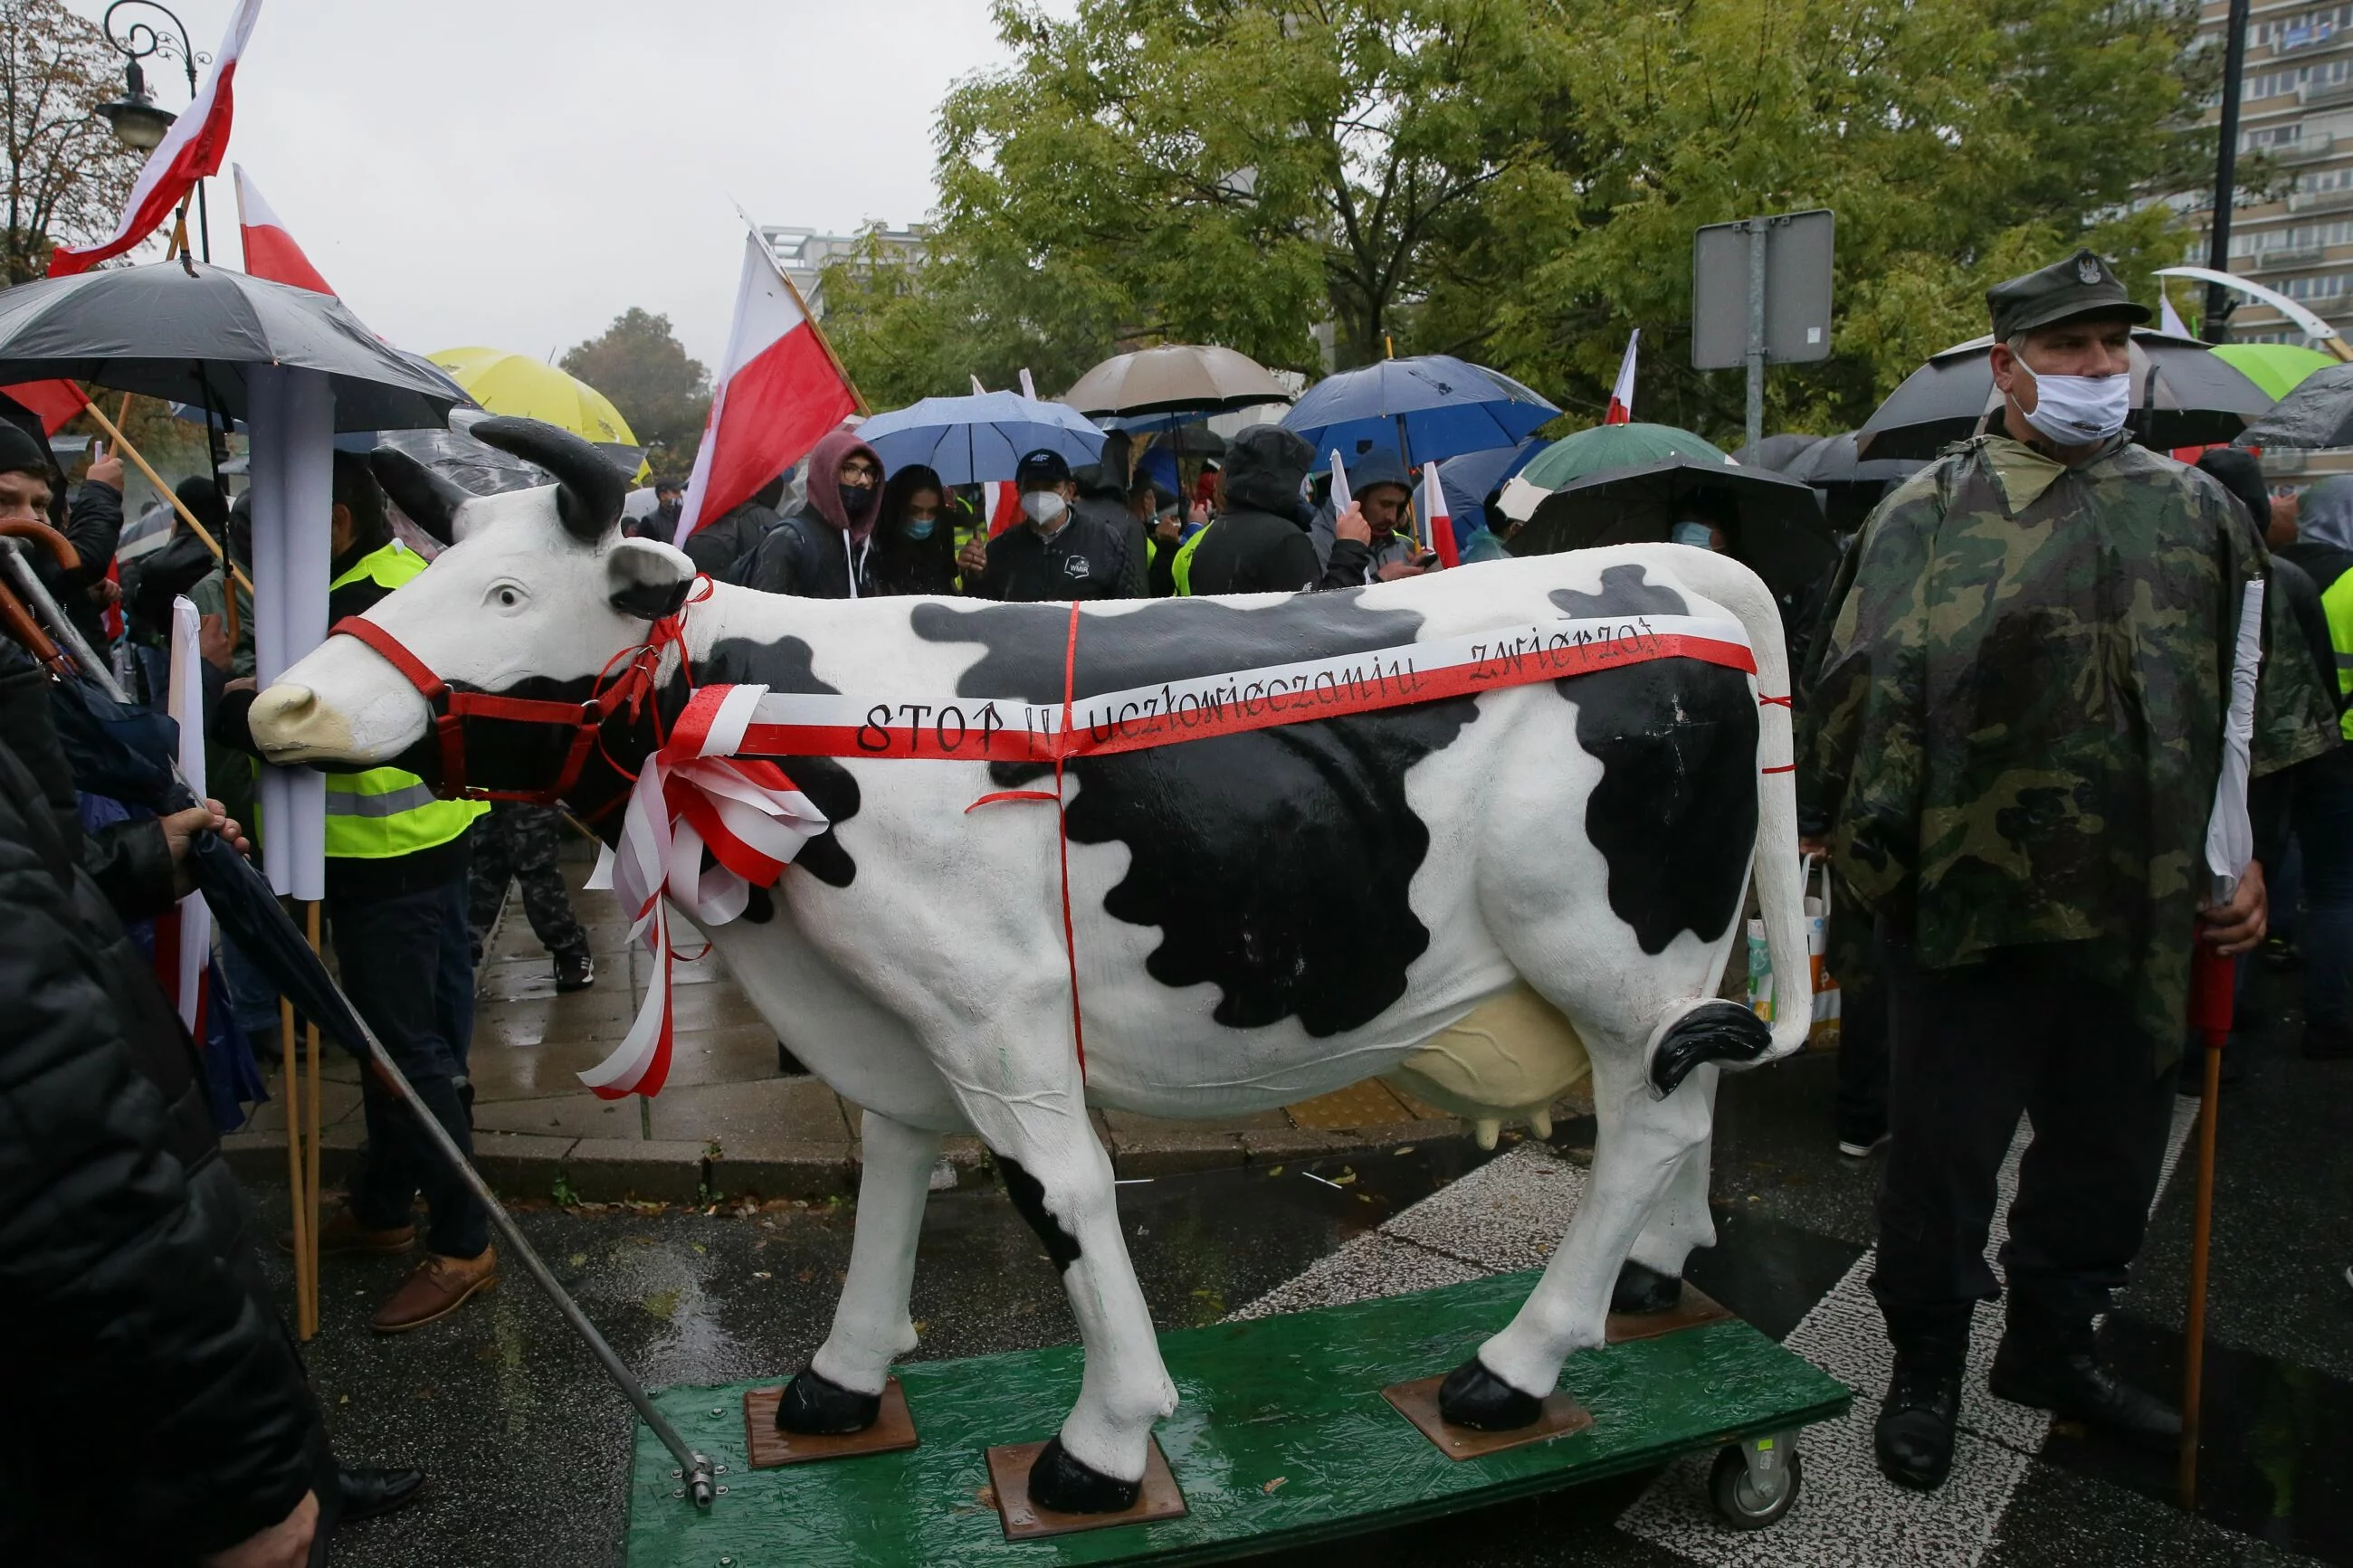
(1825, 1035)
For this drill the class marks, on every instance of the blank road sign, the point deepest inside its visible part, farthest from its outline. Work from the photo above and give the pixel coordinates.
(1796, 290)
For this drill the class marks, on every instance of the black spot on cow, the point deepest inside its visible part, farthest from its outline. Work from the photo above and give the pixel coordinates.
(786, 665)
(1676, 812)
(1028, 1196)
(1277, 864)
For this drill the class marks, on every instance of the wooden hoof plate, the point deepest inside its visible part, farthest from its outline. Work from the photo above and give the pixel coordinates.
(1695, 1306)
(1418, 1402)
(1008, 1477)
(893, 1430)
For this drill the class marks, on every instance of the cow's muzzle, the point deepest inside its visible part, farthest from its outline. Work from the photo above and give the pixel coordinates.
(290, 725)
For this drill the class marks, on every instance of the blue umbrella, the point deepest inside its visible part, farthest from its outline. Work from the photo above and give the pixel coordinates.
(970, 440)
(1436, 406)
(1467, 479)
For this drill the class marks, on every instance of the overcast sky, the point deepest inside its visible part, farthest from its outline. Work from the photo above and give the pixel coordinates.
(517, 173)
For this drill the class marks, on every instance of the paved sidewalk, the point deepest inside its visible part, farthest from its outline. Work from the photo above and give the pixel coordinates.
(728, 1121)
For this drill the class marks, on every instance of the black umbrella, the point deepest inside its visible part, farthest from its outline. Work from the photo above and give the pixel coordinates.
(1774, 529)
(1776, 452)
(185, 332)
(1836, 462)
(2182, 395)
(2317, 412)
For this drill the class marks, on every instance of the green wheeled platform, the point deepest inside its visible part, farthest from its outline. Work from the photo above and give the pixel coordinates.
(1282, 1439)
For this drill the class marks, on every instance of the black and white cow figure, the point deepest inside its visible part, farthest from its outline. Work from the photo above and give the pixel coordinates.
(1260, 917)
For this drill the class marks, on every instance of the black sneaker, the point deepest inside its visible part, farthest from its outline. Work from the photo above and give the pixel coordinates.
(1861, 1140)
(2077, 1387)
(575, 971)
(1913, 1434)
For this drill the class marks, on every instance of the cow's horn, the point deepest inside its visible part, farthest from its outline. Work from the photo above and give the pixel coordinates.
(424, 497)
(590, 487)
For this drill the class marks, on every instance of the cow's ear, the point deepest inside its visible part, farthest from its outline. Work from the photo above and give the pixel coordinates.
(646, 578)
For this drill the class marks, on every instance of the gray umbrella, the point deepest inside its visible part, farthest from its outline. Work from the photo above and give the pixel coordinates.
(1776, 530)
(185, 332)
(1776, 452)
(2317, 412)
(2182, 395)
(1836, 462)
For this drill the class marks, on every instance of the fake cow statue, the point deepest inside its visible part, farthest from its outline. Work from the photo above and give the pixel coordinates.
(1239, 852)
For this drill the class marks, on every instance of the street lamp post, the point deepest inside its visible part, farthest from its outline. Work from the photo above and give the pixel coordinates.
(140, 122)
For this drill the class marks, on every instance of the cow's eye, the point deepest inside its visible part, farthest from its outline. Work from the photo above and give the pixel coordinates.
(507, 596)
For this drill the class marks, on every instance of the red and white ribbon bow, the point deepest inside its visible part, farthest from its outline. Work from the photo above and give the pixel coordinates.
(694, 795)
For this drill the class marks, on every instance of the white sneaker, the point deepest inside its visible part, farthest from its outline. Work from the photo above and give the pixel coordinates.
(1853, 1150)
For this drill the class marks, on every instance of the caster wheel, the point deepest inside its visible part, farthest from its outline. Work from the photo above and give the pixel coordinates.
(1745, 1501)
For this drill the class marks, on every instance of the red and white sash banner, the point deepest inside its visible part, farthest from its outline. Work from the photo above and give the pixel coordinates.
(694, 795)
(986, 730)
(190, 150)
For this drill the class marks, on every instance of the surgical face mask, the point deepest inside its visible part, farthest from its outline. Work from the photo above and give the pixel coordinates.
(919, 528)
(1697, 534)
(2079, 410)
(1044, 508)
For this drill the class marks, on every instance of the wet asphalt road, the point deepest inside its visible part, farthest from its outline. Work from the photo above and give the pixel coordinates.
(528, 1446)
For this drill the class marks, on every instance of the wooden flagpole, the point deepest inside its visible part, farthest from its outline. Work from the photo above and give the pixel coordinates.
(114, 434)
(289, 1096)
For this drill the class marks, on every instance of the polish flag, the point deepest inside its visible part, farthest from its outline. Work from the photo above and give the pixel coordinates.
(270, 251)
(1001, 498)
(1622, 396)
(191, 150)
(1438, 525)
(51, 402)
(779, 393)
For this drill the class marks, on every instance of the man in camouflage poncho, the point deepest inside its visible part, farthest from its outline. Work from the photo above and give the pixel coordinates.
(2014, 727)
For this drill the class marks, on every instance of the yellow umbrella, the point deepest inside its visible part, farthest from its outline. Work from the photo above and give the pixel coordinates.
(525, 388)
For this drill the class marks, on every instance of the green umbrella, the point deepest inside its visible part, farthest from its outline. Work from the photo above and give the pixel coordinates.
(2277, 368)
(1572, 457)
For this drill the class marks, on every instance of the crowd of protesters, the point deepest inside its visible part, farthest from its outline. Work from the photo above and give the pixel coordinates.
(2047, 979)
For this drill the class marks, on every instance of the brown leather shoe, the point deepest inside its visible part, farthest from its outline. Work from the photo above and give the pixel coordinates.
(435, 1289)
(345, 1233)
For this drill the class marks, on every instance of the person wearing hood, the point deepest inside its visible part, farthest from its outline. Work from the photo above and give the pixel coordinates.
(1259, 542)
(151, 582)
(1104, 499)
(914, 543)
(826, 549)
(1382, 489)
(91, 521)
(2324, 787)
(1055, 554)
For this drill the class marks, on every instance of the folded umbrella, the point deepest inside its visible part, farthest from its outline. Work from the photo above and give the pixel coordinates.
(1426, 409)
(980, 439)
(2182, 395)
(187, 333)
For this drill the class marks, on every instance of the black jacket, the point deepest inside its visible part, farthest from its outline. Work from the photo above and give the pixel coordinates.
(1250, 552)
(94, 527)
(806, 555)
(151, 582)
(162, 1412)
(1111, 512)
(1087, 559)
(715, 547)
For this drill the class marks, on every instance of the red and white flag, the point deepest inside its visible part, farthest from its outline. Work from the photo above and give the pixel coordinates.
(1622, 396)
(1001, 499)
(778, 394)
(191, 150)
(51, 402)
(1438, 525)
(269, 250)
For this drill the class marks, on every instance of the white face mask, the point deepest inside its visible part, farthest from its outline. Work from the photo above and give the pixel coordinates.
(1044, 506)
(2079, 410)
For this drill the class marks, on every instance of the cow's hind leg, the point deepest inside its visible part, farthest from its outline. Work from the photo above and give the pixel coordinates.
(1642, 1146)
(841, 1388)
(1060, 1179)
(1652, 1278)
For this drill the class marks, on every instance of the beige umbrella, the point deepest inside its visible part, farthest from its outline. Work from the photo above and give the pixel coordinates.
(1178, 378)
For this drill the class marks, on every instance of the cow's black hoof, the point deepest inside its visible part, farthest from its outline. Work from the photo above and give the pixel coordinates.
(1062, 1483)
(817, 1406)
(1710, 1032)
(1475, 1397)
(1641, 1289)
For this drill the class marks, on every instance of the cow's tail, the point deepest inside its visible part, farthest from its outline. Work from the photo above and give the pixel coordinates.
(1716, 1030)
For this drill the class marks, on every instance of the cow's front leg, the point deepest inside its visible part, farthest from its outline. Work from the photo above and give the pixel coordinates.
(841, 1388)
(1060, 1179)
(1642, 1145)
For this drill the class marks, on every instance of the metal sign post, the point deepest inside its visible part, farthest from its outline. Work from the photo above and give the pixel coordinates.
(1761, 295)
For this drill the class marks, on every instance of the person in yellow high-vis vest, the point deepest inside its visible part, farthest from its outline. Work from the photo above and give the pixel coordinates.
(397, 882)
(2324, 786)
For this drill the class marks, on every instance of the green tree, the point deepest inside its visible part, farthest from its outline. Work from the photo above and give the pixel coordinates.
(661, 390)
(67, 177)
